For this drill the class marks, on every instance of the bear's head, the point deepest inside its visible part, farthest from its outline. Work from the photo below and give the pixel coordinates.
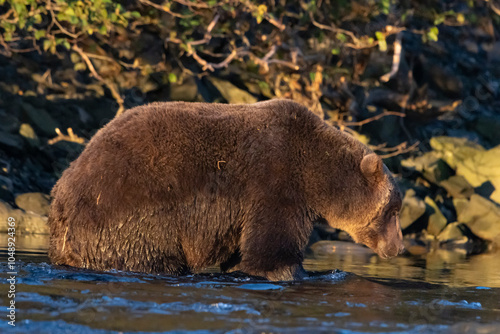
(377, 222)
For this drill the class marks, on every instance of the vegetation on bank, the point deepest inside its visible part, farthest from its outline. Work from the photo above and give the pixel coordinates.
(416, 80)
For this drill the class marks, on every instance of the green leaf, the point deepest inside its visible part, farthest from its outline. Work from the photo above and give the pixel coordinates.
(439, 20)
(433, 34)
(103, 30)
(46, 44)
(335, 51)
(382, 43)
(18, 7)
(40, 33)
(69, 11)
(341, 37)
(403, 17)
(80, 67)
(385, 5)
(172, 77)
(7, 36)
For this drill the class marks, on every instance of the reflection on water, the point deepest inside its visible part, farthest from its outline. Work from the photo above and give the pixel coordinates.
(434, 294)
(440, 266)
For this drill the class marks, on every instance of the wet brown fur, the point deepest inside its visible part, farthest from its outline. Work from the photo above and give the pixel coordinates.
(176, 187)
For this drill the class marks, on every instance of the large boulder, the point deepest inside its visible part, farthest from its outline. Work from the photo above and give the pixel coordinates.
(26, 222)
(481, 216)
(34, 202)
(477, 165)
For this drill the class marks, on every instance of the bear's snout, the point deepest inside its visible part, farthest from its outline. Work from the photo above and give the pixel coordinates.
(388, 250)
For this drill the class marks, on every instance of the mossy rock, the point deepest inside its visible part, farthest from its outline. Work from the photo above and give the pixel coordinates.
(452, 231)
(457, 187)
(231, 93)
(34, 202)
(413, 208)
(481, 216)
(437, 221)
(477, 165)
(41, 119)
(430, 165)
(26, 222)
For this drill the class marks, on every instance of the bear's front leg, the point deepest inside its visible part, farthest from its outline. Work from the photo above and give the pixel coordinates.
(274, 248)
(291, 273)
(287, 273)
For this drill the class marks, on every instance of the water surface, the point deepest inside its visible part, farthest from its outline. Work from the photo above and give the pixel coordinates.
(350, 290)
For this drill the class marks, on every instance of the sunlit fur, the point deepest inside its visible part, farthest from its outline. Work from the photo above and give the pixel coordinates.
(176, 187)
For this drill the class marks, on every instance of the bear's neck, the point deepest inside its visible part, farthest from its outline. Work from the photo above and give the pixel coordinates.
(335, 187)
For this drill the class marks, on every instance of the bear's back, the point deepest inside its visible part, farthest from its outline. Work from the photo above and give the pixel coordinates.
(168, 151)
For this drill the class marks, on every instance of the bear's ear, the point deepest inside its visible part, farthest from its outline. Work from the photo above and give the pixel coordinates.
(372, 167)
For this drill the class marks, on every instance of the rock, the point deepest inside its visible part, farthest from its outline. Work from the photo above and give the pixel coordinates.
(447, 82)
(11, 142)
(460, 205)
(418, 244)
(452, 231)
(461, 133)
(326, 232)
(41, 119)
(344, 236)
(460, 245)
(187, 91)
(29, 134)
(386, 98)
(457, 187)
(25, 222)
(471, 46)
(6, 187)
(33, 223)
(259, 88)
(452, 149)
(430, 164)
(231, 93)
(481, 216)
(9, 122)
(5, 195)
(413, 208)
(437, 221)
(477, 165)
(489, 127)
(34, 202)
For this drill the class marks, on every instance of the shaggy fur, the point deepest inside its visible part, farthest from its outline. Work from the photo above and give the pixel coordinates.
(175, 187)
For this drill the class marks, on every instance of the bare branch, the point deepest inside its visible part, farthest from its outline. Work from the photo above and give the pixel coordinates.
(111, 86)
(399, 149)
(54, 21)
(165, 9)
(334, 29)
(374, 118)
(396, 59)
(71, 137)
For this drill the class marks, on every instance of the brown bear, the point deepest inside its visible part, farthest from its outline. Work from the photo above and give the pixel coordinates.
(175, 187)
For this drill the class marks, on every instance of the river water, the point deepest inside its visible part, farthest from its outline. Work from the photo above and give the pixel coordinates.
(350, 290)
